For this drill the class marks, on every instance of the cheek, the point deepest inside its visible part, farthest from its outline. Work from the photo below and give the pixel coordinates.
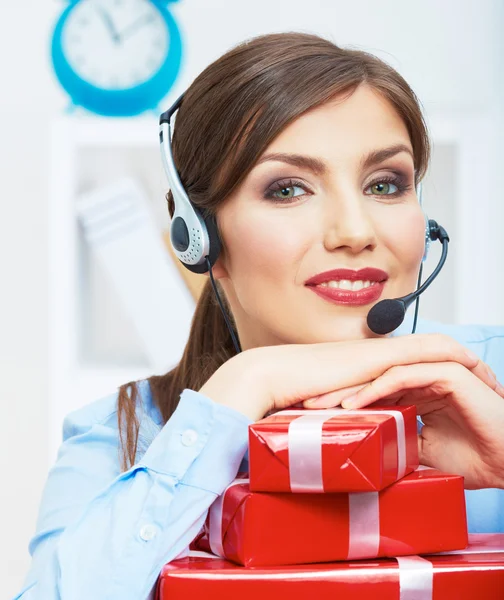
(404, 236)
(266, 247)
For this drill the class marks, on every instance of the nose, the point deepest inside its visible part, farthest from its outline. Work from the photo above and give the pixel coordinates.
(348, 223)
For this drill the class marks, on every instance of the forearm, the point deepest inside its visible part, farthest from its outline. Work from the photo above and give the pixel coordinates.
(118, 542)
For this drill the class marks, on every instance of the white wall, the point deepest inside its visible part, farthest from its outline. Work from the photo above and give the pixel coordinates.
(29, 98)
(449, 51)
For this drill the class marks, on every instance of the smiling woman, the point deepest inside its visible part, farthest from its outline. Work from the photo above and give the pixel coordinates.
(334, 189)
(306, 157)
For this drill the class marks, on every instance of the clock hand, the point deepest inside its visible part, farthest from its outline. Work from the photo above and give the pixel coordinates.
(135, 26)
(109, 24)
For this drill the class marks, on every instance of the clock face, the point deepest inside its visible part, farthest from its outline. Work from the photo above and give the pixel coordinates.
(115, 44)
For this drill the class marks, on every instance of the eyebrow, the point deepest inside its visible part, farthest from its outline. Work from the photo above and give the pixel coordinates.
(319, 167)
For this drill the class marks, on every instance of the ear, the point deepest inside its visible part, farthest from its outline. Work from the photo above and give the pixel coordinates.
(219, 270)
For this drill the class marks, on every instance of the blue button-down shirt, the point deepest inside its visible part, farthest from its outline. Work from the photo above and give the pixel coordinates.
(103, 534)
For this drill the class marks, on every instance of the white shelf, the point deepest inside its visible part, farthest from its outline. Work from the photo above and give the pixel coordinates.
(96, 132)
(87, 153)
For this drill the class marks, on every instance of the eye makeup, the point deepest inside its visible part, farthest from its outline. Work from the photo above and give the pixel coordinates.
(399, 180)
(281, 185)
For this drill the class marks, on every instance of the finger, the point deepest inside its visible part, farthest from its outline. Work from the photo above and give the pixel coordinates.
(496, 386)
(499, 388)
(483, 372)
(433, 347)
(332, 399)
(449, 450)
(426, 455)
(491, 380)
(302, 371)
(437, 379)
(401, 378)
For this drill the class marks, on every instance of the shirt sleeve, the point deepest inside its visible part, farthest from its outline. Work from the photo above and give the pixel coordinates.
(110, 539)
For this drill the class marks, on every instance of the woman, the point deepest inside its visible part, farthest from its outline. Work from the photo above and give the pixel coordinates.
(278, 139)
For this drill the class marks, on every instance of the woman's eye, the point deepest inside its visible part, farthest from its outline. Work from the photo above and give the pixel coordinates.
(389, 187)
(285, 190)
(288, 192)
(382, 188)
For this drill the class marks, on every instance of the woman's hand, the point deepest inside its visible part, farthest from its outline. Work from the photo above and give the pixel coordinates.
(265, 379)
(462, 410)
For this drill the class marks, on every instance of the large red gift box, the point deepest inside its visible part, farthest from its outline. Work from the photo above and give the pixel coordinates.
(476, 573)
(332, 450)
(424, 512)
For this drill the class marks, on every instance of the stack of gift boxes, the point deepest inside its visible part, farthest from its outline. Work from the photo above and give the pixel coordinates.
(335, 505)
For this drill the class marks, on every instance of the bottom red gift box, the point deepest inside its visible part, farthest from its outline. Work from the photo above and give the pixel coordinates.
(423, 513)
(476, 573)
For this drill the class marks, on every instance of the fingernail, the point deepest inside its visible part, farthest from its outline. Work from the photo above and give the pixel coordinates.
(471, 355)
(349, 401)
(491, 374)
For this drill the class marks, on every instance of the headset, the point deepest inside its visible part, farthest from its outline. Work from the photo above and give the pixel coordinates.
(196, 243)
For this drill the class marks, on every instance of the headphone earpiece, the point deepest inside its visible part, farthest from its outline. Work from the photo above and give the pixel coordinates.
(210, 223)
(428, 238)
(193, 235)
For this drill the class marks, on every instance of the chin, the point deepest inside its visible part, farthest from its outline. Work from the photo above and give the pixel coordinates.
(341, 330)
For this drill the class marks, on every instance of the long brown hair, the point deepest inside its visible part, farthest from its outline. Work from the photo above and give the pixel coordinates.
(229, 115)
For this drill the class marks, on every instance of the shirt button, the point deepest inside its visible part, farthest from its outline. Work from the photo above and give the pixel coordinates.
(189, 437)
(148, 532)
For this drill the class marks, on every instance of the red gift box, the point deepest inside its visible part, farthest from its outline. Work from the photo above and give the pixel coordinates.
(476, 573)
(424, 512)
(333, 450)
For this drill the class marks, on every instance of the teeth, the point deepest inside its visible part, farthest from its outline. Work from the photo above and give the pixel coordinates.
(345, 284)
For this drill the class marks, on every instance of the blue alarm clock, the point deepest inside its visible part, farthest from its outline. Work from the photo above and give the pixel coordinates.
(117, 58)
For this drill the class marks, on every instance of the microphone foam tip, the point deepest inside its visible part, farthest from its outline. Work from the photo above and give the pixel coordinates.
(386, 315)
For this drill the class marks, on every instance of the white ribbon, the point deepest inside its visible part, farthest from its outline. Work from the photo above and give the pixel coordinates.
(201, 554)
(364, 525)
(416, 577)
(185, 552)
(215, 520)
(305, 453)
(305, 445)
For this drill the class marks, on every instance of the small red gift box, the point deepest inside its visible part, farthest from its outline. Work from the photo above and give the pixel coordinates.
(424, 512)
(333, 450)
(476, 573)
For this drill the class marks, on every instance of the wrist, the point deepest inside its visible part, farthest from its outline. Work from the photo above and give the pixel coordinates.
(234, 385)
